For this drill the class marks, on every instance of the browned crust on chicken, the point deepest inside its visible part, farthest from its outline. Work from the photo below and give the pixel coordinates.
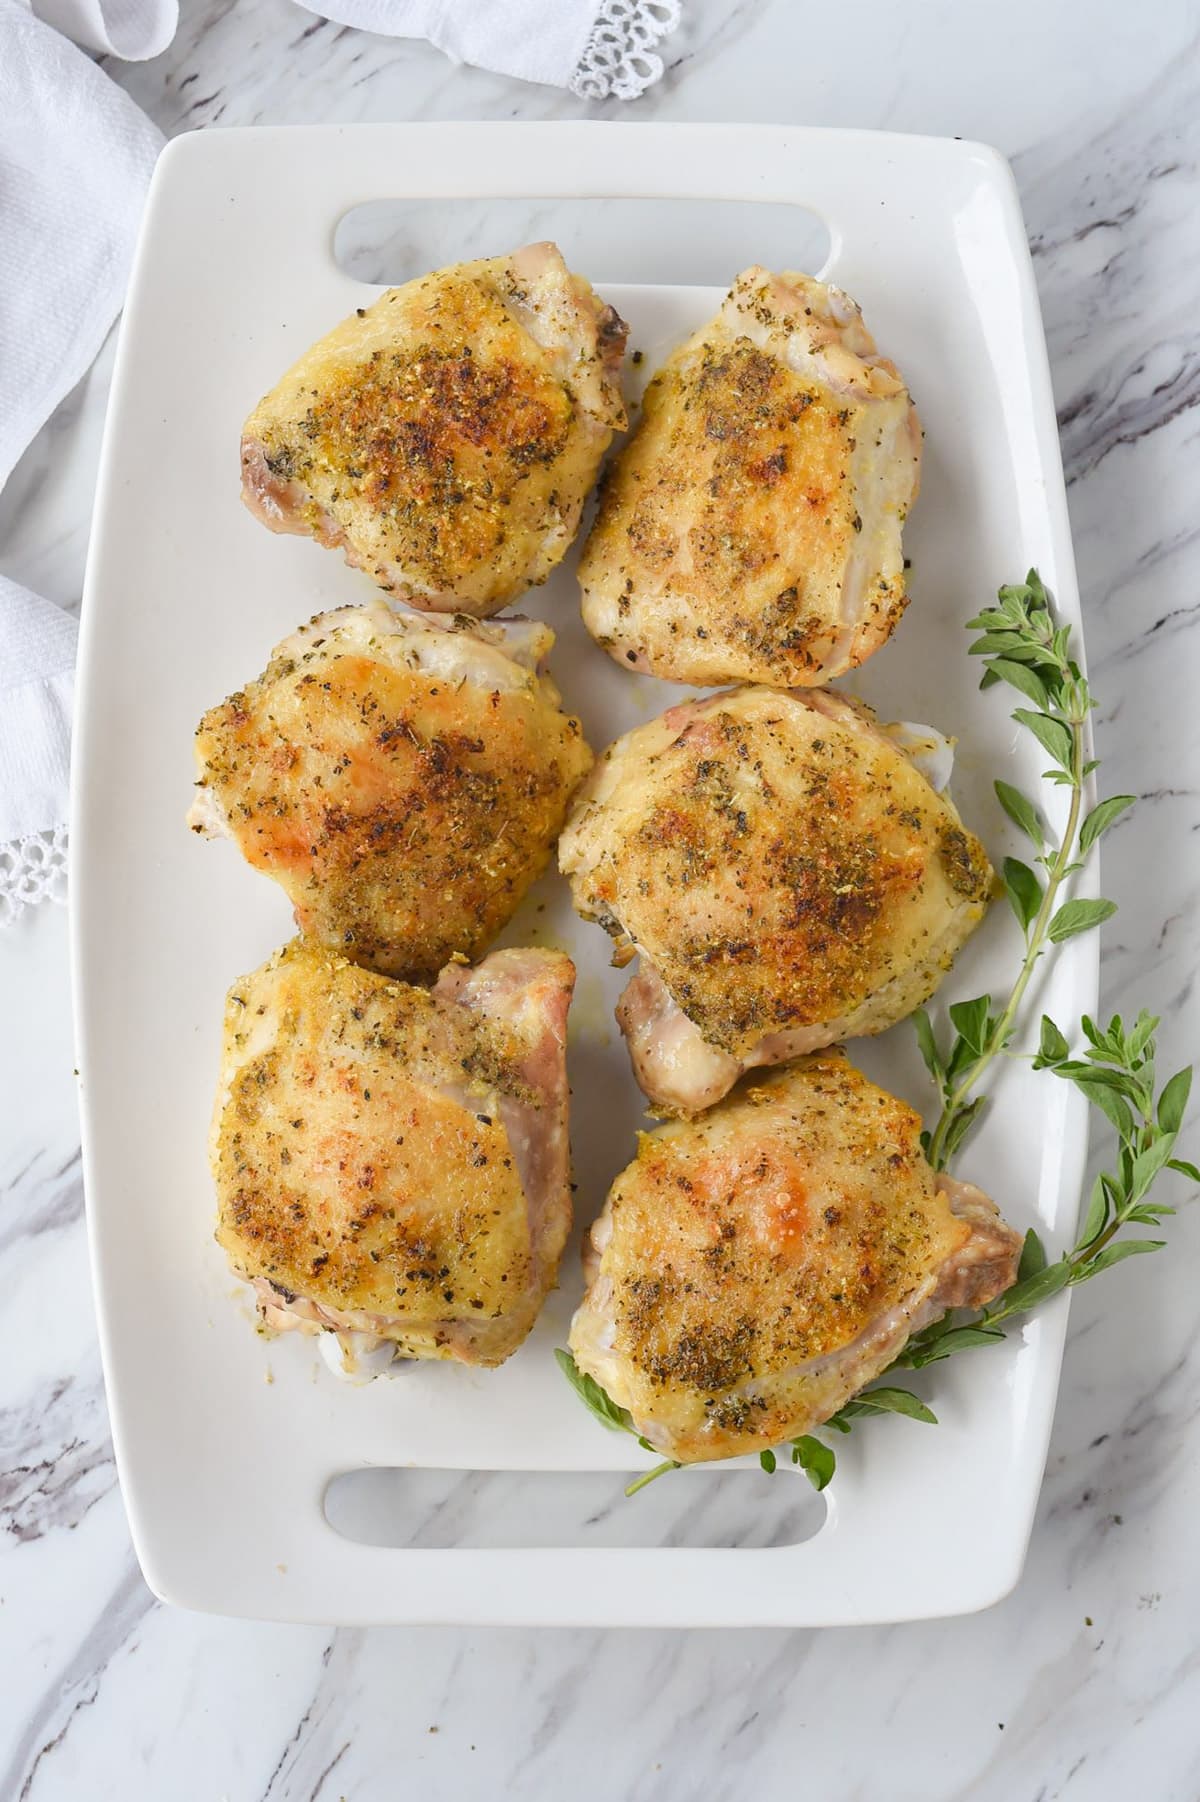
(446, 436)
(405, 799)
(780, 861)
(375, 1148)
(750, 529)
(756, 1267)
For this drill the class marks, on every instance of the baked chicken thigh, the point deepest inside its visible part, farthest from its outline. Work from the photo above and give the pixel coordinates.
(787, 874)
(750, 529)
(403, 780)
(446, 436)
(754, 1269)
(391, 1162)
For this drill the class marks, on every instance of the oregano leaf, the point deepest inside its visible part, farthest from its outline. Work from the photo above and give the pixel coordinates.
(1096, 1218)
(1101, 818)
(955, 1339)
(1051, 734)
(815, 1459)
(1025, 680)
(961, 1126)
(1074, 917)
(1052, 1046)
(1116, 1253)
(1033, 1257)
(970, 1020)
(594, 1399)
(927, 1045)
(1104, 1096)
(1023, 889)
(888, 1401)
(1036, 1289)
(1020, 811)
(1173, 1101)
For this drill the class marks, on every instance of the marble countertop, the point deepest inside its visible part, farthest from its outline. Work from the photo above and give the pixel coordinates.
(1086, 1681)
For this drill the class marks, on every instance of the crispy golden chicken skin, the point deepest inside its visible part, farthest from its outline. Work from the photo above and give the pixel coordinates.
(445, 437)
(787, 874)
(751, 528)
(403, 780)
(391, 1162)
(753, 1269)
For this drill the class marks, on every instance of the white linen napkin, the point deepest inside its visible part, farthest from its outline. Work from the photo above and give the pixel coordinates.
(131, 29)
(600, 49)
(75, 159)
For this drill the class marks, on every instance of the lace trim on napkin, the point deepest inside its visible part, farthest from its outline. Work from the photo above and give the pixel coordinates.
(619, 62)
(31, 870)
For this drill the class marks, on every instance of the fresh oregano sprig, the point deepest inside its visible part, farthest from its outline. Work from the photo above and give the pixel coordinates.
(1023, 646)
(1117, 1075)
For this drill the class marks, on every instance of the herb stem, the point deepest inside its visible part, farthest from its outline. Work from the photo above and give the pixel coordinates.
(1057, 870)
(648, 1476)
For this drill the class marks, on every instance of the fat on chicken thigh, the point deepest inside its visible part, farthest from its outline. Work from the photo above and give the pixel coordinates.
(785, 871)
(391, 1162)
(751, 528)
(752, 1270)
(445, 437)
(402, 779)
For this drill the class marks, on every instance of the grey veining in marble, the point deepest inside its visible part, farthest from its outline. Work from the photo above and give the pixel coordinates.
(1086, 1682)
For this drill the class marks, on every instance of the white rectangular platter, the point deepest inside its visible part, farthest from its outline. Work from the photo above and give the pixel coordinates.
(225, 1441)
